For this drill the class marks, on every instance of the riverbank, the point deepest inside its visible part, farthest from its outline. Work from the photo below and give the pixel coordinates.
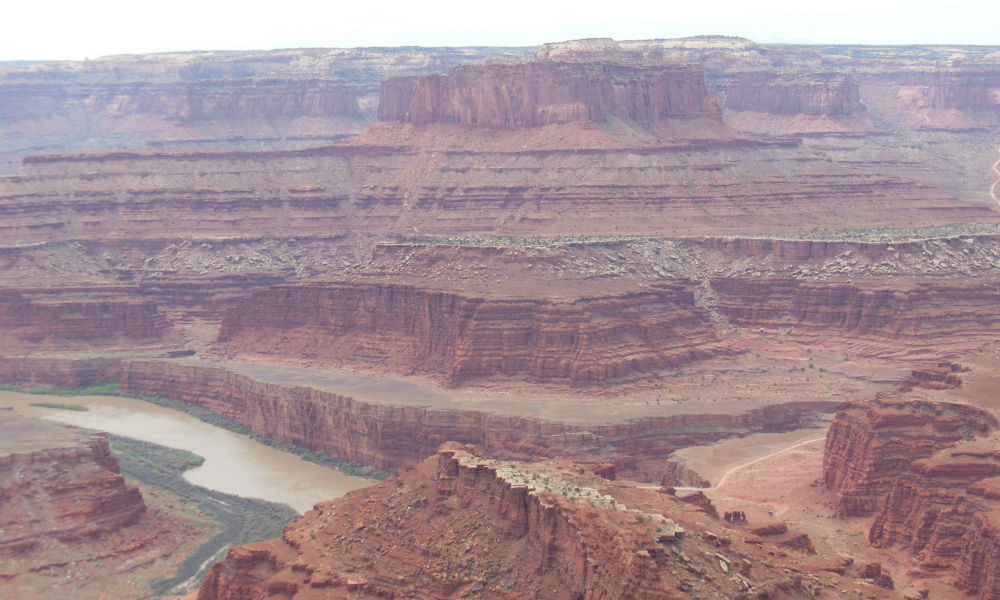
(239, 520)
(234, 463)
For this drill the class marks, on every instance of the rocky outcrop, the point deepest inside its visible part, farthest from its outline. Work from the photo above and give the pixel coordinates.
(460, 337)
(573, 552)
(391, 437)
(925, 97)
(976, 514)
(870, 443)
(957, 89)
(941, 377)
(60, 491)
(460, 526)
(543, 92)
(943, 509)
(808, 94)
(930, 472)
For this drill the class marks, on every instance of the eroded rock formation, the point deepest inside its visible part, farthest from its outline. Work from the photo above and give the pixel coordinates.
(581, 340)
(77, 316)
(929, 471)
(206, 100)
(425, 225)
(876, 309)
(391, 434)
(65, 511)
(870, 443)
(65, 373)
(458, 524)
(64, 481)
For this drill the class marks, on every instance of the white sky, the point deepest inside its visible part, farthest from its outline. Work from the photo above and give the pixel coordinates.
(75, 29)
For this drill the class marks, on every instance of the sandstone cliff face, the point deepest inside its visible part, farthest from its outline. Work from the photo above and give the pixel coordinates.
(56, 318)
(544, 92)
(896, 310)
(392, 437)
(581, 341)
(942, 506)
(586, 182)
(930, 472)
(939, 99)
(60, 490)
(812, 94)
(870, 443)
(534, 537)
(949, 88)
(978, 568)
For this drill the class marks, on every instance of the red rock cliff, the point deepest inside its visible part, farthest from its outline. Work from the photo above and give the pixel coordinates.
(948, 88)
(461, 337)
(391, 437)
(543, 92)
(922, 311)
(66, 373)
(870, 443)
(459, 525)
(70, 317)
(61, 490)
(930, 471)
(812, 94)
(529, 535)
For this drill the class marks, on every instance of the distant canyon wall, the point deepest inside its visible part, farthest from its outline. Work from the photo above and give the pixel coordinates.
(832, 94)
(539, 93)
(462, 337)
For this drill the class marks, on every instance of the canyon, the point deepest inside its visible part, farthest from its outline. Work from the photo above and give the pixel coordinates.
(566, 263)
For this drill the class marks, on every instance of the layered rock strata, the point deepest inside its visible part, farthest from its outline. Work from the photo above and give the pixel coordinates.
(543, 92)
(71, 317)
(574, 556)
(505, 149)
(207, 100)
(870, 443)
(905, 311)
(413, 186)
(930, 473)
(812, 94)
(65, 373)
(582, 340)
(393, 436)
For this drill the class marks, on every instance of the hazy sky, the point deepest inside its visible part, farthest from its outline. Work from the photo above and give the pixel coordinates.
(75, 29)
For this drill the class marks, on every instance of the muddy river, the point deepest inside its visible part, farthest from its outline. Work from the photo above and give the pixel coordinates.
(234, 463)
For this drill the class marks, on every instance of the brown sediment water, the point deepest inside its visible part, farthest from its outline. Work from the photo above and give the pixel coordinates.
(234, 464)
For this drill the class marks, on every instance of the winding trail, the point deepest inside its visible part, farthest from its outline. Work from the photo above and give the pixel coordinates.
(725, 476)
